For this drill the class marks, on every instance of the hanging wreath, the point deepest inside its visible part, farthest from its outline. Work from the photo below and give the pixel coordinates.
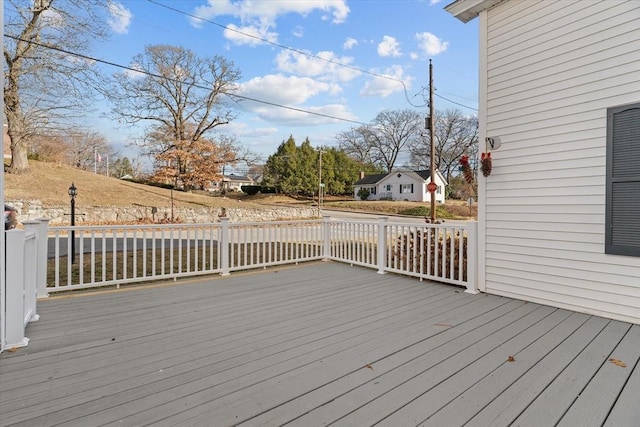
(466, 169)
(485, 163)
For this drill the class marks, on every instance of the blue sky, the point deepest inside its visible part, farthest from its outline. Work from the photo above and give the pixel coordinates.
(392, 38)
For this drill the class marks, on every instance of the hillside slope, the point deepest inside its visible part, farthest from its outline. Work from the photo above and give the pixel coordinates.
(49, 182)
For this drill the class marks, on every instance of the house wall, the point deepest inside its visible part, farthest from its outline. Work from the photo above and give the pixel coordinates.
(553, 69)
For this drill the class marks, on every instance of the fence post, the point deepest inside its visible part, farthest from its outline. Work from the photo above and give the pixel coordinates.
(326, 238)
(31, 275)
(472, 258)
(224, 246)
(43, 257)
(14, 319)
(382, 244)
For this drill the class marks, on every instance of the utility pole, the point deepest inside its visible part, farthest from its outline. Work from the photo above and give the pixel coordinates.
(432, 186)
(320, 183)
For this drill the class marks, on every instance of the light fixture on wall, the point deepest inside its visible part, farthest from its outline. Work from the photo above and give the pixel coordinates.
(493, 143)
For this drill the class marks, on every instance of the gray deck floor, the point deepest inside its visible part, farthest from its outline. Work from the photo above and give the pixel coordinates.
(318, 344)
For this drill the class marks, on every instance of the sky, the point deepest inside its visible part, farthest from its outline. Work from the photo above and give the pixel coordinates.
(346, 59)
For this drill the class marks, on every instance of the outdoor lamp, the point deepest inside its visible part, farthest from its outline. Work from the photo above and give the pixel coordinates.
(73, 191)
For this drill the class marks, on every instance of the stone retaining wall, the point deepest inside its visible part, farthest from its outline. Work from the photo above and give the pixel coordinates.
(60, 215)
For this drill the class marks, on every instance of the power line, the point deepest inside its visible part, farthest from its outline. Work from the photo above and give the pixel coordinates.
(232, 96)
(457, 103)
(292, 49)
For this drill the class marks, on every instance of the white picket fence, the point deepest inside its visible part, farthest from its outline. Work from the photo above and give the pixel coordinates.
(117, 255)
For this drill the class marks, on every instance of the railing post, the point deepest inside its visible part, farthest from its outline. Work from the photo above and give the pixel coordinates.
(31, 286)
(326, 238)
(14, 319)
(472, 258)
(224, 246)
(43, 257)
(382, 244)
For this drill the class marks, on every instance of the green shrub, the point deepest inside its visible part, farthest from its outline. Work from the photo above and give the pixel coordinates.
(251, 189)
(268, 190)
(363, 193)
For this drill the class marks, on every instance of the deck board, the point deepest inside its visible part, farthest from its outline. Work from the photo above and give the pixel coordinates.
(316, 344)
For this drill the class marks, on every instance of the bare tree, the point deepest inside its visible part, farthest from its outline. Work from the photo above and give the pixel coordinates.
(382, 141)
(181, 99)
(85, 149)
(45, 86)
(455, 135)
(355, 144)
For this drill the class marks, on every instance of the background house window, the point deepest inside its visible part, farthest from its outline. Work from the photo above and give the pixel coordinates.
(622, 220)
(372, 190)
(388, 187)
(406, 188)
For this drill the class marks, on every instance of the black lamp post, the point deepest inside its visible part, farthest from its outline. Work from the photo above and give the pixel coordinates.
(73, 192)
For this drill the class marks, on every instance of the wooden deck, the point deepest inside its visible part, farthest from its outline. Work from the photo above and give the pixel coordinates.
(318, 344)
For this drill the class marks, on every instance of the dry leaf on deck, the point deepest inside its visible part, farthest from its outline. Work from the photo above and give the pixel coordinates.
(368, 366)
(511, 359)
(618, 362)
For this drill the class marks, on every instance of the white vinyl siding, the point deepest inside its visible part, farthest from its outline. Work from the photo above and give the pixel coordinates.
(553, 70)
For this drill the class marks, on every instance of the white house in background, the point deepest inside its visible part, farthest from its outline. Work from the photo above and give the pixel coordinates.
(400, 185)
(559, 216)
(230, 182)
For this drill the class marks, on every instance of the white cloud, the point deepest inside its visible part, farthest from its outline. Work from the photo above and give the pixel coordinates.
(289, 91)
(389, 46)
(132, 73)
(120, 18)
(434, 2)
(324, 65)
(294, 118)
(285, 90)
(383, 87)
(414, 55)
(431, 44)
(244, 130)
(249, 35)
(349, 43)
(264, 14)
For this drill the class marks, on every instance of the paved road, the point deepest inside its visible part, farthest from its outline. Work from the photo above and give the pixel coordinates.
(349, 215)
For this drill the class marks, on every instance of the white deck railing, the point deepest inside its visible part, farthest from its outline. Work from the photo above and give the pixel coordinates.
(120, 254)
(25, 259)
(439, 252)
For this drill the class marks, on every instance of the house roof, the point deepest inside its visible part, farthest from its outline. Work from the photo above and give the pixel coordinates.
(371, 179)
(466, 10)
(234, 177)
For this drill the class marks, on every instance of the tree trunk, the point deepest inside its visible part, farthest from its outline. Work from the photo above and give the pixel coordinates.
(19, 161)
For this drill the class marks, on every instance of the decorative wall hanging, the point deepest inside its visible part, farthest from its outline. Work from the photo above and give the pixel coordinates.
(486, 164)
(466, 169)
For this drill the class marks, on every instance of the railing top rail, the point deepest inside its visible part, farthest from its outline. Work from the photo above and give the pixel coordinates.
(390, 222)
(276, 223)
(133, 227)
